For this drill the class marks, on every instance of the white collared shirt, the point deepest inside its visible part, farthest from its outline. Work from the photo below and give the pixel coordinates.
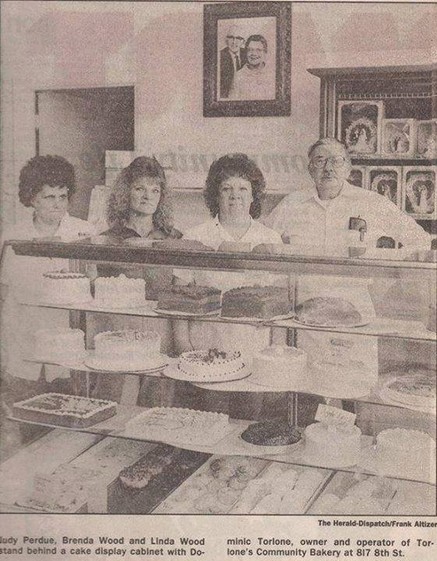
(212, 234)
(307, 220)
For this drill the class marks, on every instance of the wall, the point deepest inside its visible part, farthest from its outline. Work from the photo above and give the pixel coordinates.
(158, 48)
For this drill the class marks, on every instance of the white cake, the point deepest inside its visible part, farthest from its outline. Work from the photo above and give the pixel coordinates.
(332, 445)
(61, 345)
(119, 292)
(212, 365)
(280, 367)
(179, 426)
(348, 379)
(405, 452)
(128, 349)
(63, 287)
(65, 490)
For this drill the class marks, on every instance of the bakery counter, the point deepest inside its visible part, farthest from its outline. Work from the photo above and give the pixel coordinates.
(214, 433)
(282, 259)
(376, 327)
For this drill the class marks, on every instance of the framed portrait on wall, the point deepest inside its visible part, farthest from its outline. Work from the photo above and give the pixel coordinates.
(427, 139)
(357, 176)
(247, 59)
(359, 126)
(386, 181)
(419, 191)
(398, 137)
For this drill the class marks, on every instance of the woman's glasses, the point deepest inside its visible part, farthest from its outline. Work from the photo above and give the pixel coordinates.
(336, 161)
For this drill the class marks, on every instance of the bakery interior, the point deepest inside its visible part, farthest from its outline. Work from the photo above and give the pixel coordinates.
(327, 416)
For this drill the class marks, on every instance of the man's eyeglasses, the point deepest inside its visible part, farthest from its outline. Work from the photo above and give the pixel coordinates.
(336, 161)
(233, 37)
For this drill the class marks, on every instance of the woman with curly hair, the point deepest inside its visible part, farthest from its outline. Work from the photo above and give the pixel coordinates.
(46, 185)
(138, 206)
(233, 193)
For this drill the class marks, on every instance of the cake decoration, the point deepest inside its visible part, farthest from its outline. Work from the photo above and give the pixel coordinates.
(64, 410)
(275, 432)
(64, 287)
(415, 388)
(211, 365)
(179, 426)
(332, 445)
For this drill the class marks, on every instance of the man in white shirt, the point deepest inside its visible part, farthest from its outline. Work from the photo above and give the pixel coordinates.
(321, 218)
(256, 80)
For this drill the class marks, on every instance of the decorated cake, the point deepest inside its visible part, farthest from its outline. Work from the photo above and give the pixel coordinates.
(407, 452)
(190, 299)
(63, 287)
(119, 292)
(256, 301)
(64, 410)
(416, 388)
(127, 349)
(212, 366)
(280, 366)
(275, 432)
(332, 445)
(179, 426)
(60, 345)
(64, 490)
(324, 311)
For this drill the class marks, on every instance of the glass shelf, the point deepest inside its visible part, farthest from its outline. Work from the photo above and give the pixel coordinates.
(378, 327)
(233, 445)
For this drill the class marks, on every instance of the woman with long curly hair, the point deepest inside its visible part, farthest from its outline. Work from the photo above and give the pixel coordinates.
(139, 205)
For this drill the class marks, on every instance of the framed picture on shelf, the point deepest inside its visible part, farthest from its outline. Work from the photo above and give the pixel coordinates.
(419, 191)
(386, 181)
(359, 126)
(247, 59)
(357, 176)
(427, 139)
(398, 137)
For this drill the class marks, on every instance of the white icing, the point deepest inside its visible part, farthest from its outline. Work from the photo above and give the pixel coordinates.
(119, 292)
(69, 405)
(171, 424)
(59, 287)
(127, 348)
(195, 365)
(60, 345)
(332, 445)
(278, 366)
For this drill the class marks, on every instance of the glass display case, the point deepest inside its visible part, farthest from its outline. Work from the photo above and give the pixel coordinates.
(359, 416)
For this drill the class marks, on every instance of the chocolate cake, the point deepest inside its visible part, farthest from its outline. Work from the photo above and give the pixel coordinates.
(256, 301)
(64, 410)
(274, 432)
(324, 311)
(191, 299)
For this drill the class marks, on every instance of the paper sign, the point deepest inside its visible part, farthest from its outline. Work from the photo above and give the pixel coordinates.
(334, 416)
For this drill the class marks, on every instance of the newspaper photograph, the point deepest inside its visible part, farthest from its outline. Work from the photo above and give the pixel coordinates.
(218, 280)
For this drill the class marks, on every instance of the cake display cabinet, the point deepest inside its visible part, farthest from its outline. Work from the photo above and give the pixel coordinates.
(349, 429)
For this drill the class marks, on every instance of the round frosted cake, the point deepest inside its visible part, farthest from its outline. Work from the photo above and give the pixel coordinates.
(332, 445)
(119, 292)
(128, 349)
(61, 287)
(348, 380)
(324, 311)
(406, 452)
(282, 367)
(60, 345)
(212, 365)
(417, 388)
